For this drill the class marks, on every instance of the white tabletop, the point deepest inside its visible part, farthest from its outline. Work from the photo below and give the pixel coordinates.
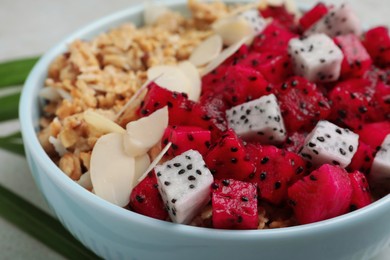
(29, 28)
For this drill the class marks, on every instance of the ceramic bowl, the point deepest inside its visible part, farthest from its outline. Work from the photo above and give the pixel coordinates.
(115, 233)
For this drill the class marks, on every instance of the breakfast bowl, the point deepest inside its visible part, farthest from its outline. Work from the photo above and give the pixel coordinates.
(113, 232)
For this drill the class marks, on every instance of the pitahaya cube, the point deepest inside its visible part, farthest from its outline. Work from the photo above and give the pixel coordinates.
(274, 39)
(276, 170)
(361, 195)
(274, 67)
(294, 142)
(317, 58)
(313, 15)
(380, 170)
(324, 194)
(227, 158)
(350, 103)
(330, 144)
(356, 59)
(338, 21)
(184, 184)
(258, 120)
(146, 199)
(179, 107)
(380, 103)
(377, 43)
(374, 134)
(254, 18)
(302, 104)
(362, 160)
(234, 205)
(184, 138)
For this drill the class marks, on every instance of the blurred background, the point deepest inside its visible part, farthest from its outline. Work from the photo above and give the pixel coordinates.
(29, 28)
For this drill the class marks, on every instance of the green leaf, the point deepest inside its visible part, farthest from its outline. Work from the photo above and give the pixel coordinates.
(9, 106)
(15, 72)
(13, 143)
(41, 226)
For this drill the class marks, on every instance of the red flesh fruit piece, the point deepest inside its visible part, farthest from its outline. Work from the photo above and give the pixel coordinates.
(324, 194)
(356, 59)
(302, 104)
(374, 134)
(145, 198)
(275, 171)
(273, 39)
(242, 84)
(312, 16)
(280, 14)
(209, 114)
(377, 43)
(361, 196)
(184, 138)
(234, 205)
(362, 159)
(350, 100)
(179, 107)
(380, 103)
(228, 159)
(274, 67)
(295, 142)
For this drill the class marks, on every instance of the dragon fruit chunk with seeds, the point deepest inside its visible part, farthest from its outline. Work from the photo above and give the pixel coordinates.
(330, 144)
(184, 184)
(338, 21)
(324, 194)
(380, 169)
(317, 58)
(259, 120)
(254, 19)
(234, 204)
(361, 195)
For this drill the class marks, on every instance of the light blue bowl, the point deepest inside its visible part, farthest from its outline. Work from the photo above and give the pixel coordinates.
(115, 233)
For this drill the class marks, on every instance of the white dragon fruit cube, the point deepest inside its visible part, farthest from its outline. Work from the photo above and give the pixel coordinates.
(254, 18)
(329, 144)
(184, 184)
(339, 21)
(380, 169)
(259, 120)
(317, 58)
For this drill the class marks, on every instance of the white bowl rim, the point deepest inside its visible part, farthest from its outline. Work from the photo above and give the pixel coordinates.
(55, 174)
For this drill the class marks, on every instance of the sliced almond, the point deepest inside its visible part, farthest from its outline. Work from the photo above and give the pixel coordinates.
(193, 75)
(143, 134)
(102, 123)
(224, 55)
(170, 77)
(155, 161)
(153, 11)
(112, 170)
(142, 163)
(208, 50)
(232, 29)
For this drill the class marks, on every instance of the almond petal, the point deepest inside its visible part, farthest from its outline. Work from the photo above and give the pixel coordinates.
(193, 75)
(233, 29)
(170, 77)
(58, 146)
(225, 54)
(102, 123)
(155, 161)
(207, 51)
(112, 170)
(143, 134)
(85, 181)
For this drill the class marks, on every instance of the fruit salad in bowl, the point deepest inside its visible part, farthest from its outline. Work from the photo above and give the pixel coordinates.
(236, 117)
